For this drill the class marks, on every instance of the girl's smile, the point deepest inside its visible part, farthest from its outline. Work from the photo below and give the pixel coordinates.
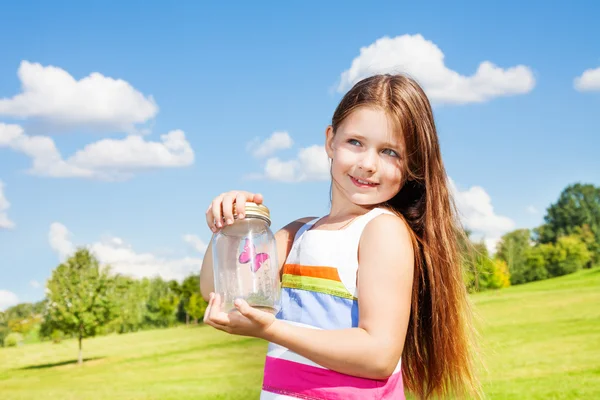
(362, 183)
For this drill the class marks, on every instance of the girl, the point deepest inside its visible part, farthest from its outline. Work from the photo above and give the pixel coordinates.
(373, 300)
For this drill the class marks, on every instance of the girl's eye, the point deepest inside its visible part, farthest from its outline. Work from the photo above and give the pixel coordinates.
(390, 152)
(354, 142)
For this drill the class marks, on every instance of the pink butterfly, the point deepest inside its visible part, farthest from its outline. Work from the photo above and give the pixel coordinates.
(250, 254)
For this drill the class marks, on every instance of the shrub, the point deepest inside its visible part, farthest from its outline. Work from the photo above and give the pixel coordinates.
(13, 340)
(57, 336)
(500, 275)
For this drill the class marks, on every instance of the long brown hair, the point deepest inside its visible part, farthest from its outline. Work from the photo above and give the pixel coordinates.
(437, 359)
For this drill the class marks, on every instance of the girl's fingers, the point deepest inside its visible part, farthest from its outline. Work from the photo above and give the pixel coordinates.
(219, 327)
(211, 315)
(220, 211)
(258, 198)
(217, 206)
(228, 206)
(222, 320)
(240, 204)
(216, 316)
(208, 308)
(216, 304)
(210, 219)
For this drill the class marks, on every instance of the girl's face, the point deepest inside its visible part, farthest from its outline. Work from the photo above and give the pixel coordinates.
(366, 157)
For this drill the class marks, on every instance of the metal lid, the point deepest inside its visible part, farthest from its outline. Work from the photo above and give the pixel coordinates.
(254, 210)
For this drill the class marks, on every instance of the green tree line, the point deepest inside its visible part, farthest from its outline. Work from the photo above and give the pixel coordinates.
(84, 299)
(568, 240)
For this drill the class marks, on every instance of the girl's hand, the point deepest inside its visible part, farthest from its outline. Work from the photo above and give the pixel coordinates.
(220, 211)
(244, 321)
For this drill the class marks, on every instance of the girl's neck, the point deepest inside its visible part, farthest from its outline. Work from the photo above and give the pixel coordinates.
(343, 209)
(341, 214)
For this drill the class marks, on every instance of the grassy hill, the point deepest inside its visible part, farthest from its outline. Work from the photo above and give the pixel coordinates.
(539, 341)
(542, 340)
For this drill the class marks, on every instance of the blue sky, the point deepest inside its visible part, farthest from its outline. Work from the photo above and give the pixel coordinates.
(120, 122)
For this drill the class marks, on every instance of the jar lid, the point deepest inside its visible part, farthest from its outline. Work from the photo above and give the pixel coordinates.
(254, 210)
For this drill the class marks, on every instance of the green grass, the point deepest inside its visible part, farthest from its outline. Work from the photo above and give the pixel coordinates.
(179, 363)
(540, 341)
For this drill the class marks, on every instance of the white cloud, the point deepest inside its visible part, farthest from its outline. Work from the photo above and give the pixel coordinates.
(285, 171)
(5, 223)
(311, 164)
(588, 81)
(95, 101)
(134, 152)
(277, 141)
(104, 159)
(123, 259)
(60, 240)
(478, 215)
(45, 157)
(532, 210)
(424, 61)
(9, 134)
(35, 284)
(195, 242)
(7, 299)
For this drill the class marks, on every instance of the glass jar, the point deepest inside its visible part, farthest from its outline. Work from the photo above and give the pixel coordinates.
(245, 261)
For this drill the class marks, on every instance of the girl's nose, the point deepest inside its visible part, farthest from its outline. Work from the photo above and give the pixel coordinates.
(368, 162)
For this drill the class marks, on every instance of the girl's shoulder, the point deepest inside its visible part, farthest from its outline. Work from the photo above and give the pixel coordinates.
(387, 227)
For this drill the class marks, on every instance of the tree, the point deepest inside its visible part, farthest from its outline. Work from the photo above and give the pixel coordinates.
(196, 306)
(586, 235)
(3, 327)
(81, 297)
(20, 318)
(567, 255)
(535, 263)
(161, 304)
(189, 287)
(481, 271)
(570, 255)
(131, 295)
(500, 277)
(175, 287)
(25, 325)
(578, 205)
(484, 266)
(19, 311)
(512, 249)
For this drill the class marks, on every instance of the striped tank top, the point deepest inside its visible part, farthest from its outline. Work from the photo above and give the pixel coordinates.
(319, 292)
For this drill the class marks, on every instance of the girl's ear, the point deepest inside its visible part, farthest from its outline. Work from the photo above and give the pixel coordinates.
(329, 141)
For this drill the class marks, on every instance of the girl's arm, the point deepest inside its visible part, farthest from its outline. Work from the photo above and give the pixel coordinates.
(373, 349)
(207, 283)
